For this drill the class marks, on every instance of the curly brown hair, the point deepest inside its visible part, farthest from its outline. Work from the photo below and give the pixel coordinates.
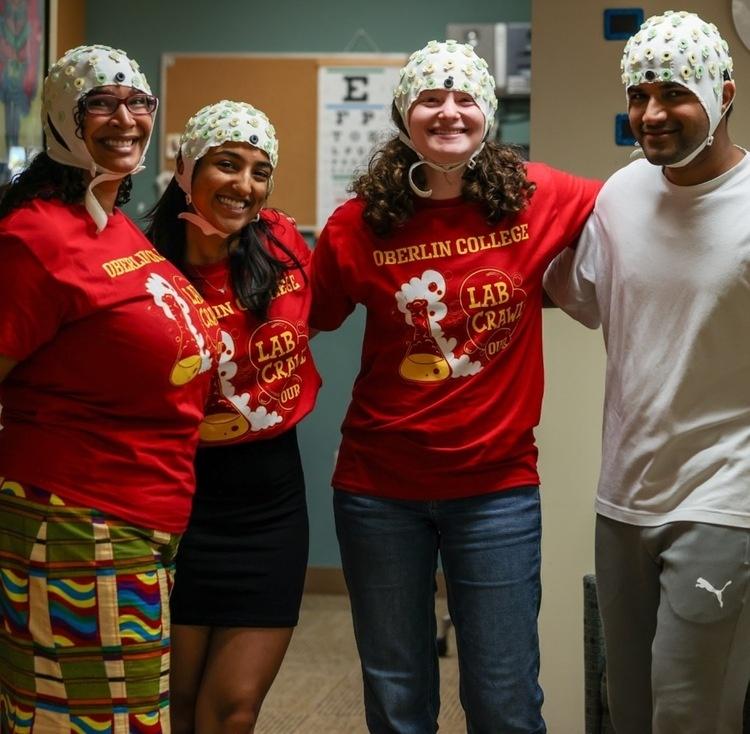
(497, 181)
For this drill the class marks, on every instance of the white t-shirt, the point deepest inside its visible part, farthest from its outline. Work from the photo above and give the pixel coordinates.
(665, 269)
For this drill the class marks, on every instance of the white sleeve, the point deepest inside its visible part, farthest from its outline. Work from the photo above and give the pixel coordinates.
(570, 280)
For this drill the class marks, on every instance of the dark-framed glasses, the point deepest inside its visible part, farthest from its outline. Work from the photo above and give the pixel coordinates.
(107, 104)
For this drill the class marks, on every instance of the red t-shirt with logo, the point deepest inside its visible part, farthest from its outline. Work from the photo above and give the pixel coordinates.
(113, 370)
(267, 380)
(451, 382)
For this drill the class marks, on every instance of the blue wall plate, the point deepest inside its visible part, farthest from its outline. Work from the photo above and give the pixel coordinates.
(621, 23)
(623, 133)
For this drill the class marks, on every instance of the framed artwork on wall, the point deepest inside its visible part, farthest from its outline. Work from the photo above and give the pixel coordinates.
(23, 62)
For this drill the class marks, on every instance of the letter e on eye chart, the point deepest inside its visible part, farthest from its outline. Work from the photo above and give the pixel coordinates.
(354, 105)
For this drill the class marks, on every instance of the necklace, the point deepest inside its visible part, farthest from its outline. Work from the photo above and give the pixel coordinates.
(222, 290)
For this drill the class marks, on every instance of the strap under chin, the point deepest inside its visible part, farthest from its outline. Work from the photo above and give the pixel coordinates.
(419, 192)
(443, 167)
(637, 153)
(202, 223)
(707, 143)
(93, 207)
(690, 158)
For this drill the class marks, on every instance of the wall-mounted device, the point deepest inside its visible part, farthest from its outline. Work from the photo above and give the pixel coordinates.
(623, 133)
(506, 47)
(621, 23)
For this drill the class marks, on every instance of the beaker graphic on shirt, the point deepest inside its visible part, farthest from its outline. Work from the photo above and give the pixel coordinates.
(222, 421)
(188, 362)
(424, 361)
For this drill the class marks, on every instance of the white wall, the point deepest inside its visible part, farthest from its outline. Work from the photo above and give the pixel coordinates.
(576, 93)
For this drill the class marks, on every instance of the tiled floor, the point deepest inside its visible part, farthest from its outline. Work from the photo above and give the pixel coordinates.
(319, 688)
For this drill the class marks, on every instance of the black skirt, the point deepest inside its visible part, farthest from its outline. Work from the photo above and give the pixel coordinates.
(242, 560)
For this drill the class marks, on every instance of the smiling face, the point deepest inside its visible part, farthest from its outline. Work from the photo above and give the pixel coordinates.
(117, 142)
(668, 121)
(230, 185)
(446, 126)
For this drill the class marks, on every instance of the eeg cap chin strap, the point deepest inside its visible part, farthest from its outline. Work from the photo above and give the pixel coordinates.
(452, 66)
(680, 48)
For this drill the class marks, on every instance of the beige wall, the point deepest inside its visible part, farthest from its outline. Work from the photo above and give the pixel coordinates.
(67, 26)
(576, 93)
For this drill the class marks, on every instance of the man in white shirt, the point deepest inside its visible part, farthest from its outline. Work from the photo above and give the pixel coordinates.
(664, 266)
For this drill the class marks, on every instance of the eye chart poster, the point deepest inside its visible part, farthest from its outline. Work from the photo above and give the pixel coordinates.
(354, 113)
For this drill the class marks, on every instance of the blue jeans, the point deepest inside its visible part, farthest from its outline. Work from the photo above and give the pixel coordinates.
(490, 550)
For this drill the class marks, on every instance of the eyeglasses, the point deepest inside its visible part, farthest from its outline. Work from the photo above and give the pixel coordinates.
(107, 104)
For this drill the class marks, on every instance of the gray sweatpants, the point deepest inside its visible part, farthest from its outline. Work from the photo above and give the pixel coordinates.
(675, 603)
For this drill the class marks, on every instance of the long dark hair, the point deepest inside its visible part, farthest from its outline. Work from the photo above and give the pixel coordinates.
(497, 181)
(48, 179)
(254, 271)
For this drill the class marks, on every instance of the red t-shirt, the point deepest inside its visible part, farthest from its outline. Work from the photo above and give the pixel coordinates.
(451, 382)
(267, 380)
(113, 368)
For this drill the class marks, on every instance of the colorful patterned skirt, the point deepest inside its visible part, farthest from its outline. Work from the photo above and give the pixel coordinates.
(84, 619)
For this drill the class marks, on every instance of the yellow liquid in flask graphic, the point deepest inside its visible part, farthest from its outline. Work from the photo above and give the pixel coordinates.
(424, 361)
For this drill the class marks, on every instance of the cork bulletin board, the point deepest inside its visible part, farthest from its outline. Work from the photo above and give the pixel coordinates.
(284, 86)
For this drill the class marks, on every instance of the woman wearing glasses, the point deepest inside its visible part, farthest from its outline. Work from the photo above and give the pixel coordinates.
(104, 371)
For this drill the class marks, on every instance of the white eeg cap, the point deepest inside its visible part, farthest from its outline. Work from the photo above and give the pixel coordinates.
(448, 65)
(445, 65)
(78, 72)
(224, 122)
(680, 47)
(214, 125)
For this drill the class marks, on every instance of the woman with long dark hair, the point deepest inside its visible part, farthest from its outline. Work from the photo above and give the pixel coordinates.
(241, 564)
(104, 372)
(445, 245)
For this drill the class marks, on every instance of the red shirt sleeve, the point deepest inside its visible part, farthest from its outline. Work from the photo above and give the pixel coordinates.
(331, 301)
(574, 199)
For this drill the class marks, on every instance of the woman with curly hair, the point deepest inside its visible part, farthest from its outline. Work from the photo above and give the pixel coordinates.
(445, 245)
(104, 372)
